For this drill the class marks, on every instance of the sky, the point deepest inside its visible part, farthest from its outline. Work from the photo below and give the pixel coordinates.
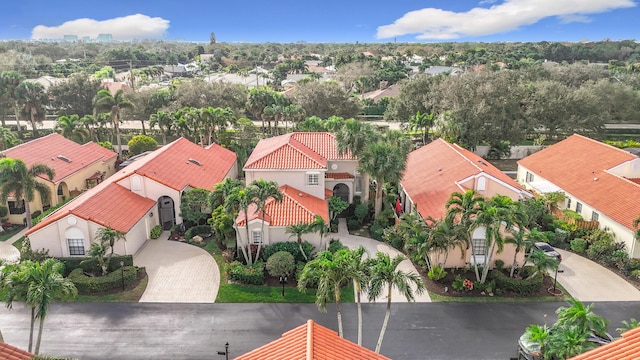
(344, 21)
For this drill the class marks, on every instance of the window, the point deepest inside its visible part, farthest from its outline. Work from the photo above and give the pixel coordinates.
(313, 179)
(568, 203)
(256, 237)
(479, 246)
(595, 216)
(358, 183)
(529, 177)
(16, 208)
(578, 208)
(482, 183)
(76, 246)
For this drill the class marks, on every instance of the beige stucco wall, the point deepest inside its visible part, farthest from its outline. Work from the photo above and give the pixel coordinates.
(278, 234)
(153, 190)
(294, 178)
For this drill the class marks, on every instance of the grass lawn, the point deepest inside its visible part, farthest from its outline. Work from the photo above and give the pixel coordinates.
(8, 234)
(18, 244)
(237, 293)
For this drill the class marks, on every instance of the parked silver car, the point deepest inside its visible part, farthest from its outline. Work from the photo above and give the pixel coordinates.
(548, 250)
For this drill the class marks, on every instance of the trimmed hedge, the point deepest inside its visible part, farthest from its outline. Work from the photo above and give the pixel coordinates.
(249, 275)
(521, 286)
(91, 265)
(290, 247)
(156, 231)
(197, 230)
(99, 284)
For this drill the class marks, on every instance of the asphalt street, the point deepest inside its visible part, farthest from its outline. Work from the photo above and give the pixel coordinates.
(199, 331)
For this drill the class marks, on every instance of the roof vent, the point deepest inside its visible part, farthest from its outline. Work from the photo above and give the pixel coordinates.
(194, 161)
(595, 179)
(482, 162)
(64, 158)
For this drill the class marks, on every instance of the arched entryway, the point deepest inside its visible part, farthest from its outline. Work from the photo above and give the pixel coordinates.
(342, 191)
(167, 212)
(62, 192)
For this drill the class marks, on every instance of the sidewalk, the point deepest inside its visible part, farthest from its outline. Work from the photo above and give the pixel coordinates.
(373, 246)
(8, 252)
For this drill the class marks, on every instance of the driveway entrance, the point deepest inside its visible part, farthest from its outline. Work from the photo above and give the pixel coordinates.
(178, 272)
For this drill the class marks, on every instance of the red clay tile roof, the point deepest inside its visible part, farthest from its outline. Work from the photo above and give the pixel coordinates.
(296, 207)
(108, 204)
(625, 348)
(328, 193)
(300, 150)
(10, 352)
(434, 170)
(45, 150)
(311, 341)
(342, 175)
(574, 163)
(176, 165)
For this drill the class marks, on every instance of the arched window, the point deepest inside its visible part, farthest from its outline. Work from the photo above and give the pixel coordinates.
(75, 241)
(482, 183)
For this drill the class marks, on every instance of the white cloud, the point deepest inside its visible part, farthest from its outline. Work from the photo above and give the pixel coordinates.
(432, 23)
(129, 27)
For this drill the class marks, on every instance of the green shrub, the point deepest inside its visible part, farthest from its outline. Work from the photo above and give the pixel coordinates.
(578, 245)
(335, 245)
(458, 283)
(521, 286)
(561, 235)
(570, 214)
(39, 218)
(601, 249)
(633, 264)
(499, 264)
(3, 211)
(376, 231)
(436, 273)
(353, 224)
(197, 230)
(289, 246)
(35, 214)
(280, 264)
(177, 229)
(91, 265)
(636, 274)
(156, 231)
(249, 275)
(99, 284)
(141, 143)
(361, 211)
(620, 258)
(490, 286)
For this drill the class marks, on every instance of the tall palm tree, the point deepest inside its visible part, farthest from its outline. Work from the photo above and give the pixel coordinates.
(32, 100)
(217, 121)
(359, 272)
(18, 180)
(331, 273)
(164, 121)
(72, 128)
(15, 279)
(443, 236)
(537, 334)
(521, 242)
(462, 209)
(7, 138)
(263, 191)
(47, 284)
(354, 136)
(108, 238)
(385, 273)
(222, 190)
(240, 199)
(566, 342)
(582, 317)
(258, 99)
(320, 226)
(422, 121)
(9, 81)
(542, 261)
(105, 102)
(298, 230)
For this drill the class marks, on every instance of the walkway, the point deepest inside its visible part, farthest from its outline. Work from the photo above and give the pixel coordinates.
(586, 280)
(373, 246)
(178, 272)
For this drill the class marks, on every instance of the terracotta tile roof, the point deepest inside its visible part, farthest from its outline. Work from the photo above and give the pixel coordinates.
(311, 341)
(634, 180)
(342, 175)
(300, 150)
(10, 352)
(434, 171)
(51, 150)
(328, 193)
(183, 163)
(625, 348)
(107, 204)
(296, 207)
(574, 163)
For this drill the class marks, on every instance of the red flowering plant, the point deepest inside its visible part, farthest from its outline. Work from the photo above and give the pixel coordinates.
(467, 284)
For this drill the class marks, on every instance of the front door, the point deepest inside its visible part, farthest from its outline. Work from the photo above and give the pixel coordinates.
(342, 191)
(167, 212)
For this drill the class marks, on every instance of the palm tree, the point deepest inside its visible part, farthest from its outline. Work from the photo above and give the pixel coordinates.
(443, 236)
(15, 279)
(298, 230)
(359, 272)
(164, 121)
(239, 200)
(7, 138)
(331, 274)
(521, 242)
(262, 191)
(32, 100)
(354, 136)
(222, 190)
(636, 223)
(259, 98)
(385, 273)
(108, 238)
(566, 342)
(582, 317)
(9, 81)
(320, 226)
(105, 102)
(462, 209)
(217, 120)
(542, 261)
(18, 180)
(422, 121)
(72, 128)
(47, 284)
(552, 199)
(537, 334)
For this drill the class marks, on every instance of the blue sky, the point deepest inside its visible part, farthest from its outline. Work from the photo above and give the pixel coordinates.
(325, 21)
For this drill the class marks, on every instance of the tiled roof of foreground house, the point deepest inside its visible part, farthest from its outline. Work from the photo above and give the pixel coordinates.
(311, 342)
(435, 170)
(625, 348)
(579, 166)
(10, 352)
(299, 150)
(296, 207)
(183, 163)
(64, 156)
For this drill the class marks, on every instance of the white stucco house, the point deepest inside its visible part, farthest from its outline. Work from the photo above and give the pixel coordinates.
(77, 168)
(437, 170)
(309, 169)
(600, 182)
(142, 195)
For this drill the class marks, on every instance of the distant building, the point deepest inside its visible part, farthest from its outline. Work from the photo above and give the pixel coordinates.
(70, 38)
(104, 38)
